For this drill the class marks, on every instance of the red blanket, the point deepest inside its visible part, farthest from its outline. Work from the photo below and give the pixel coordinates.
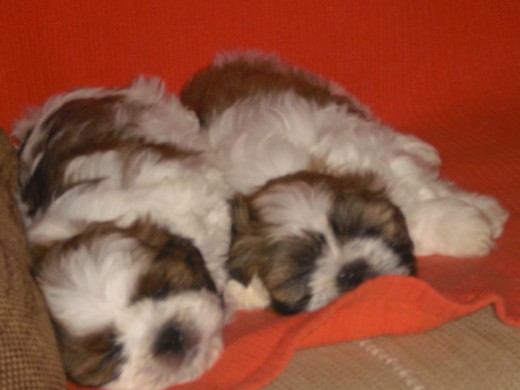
(445, 71)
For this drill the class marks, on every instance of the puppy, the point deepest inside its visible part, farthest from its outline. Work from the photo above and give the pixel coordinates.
(128, 222)
(327, 197)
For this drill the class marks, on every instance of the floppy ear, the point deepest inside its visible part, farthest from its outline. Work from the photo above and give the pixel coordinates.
(241, 218)
(396, 233)
(91, 360)
(241, 263)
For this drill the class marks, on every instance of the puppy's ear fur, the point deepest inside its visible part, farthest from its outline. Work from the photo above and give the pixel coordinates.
(91, 360)
(244, 242)
(243, 216)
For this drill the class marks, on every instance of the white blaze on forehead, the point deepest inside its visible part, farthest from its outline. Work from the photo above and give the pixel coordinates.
(88, 285)
(378, 256)
(295, 207)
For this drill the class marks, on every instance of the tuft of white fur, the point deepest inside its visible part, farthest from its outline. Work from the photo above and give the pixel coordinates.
(251, 158)
(88, 285)
(294, 208)
(171, 122)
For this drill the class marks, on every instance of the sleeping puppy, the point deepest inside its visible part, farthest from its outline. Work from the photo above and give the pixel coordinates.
(327, 197)
(128, 222)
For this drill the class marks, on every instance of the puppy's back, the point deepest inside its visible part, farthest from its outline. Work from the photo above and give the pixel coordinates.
(93, 120)
(236, 76)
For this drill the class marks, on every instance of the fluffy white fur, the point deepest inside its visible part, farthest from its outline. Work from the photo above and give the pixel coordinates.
(190, 202)
(286, 132)
(91, 287)
(270, 135)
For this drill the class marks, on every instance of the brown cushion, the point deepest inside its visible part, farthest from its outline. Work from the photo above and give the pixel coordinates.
(28, 353)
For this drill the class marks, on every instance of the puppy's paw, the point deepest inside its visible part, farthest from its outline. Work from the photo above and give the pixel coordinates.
(240, 297)
(450, 227)
(490, 207)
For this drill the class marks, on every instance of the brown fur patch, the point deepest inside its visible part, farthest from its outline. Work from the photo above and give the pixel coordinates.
(362, 211)
(91, 360)
(88, 128)
(76, 124)
(284, 265)
(175, 264)
(80, 121)
(216, 88)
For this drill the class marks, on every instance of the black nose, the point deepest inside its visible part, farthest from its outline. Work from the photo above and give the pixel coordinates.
(352, 274)
(288, 308)
(169, 341)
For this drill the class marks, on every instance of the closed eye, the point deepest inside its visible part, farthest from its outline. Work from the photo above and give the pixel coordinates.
(306, 259)
(114, 353)
(337, 229)
(370, 232)
(161, 292)
(156, 293)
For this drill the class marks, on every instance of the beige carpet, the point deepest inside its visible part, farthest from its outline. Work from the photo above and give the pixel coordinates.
(476, 353)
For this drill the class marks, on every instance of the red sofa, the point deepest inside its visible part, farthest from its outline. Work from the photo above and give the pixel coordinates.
(445, 71)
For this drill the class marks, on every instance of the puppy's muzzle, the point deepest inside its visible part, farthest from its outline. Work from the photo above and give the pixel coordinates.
(353, 274)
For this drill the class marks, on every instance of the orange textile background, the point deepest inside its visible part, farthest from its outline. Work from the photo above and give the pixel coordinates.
(447, 71)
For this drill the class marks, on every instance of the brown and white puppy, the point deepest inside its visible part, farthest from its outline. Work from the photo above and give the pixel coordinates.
(328, 196)
(129, 225)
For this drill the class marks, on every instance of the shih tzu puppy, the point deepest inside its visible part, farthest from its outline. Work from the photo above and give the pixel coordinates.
(128, 221)
(327, 197)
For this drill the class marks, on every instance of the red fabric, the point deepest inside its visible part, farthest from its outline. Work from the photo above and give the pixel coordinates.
(447, 71)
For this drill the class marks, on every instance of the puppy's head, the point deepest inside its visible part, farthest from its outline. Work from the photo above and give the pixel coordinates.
(309, 237)
(133, 307)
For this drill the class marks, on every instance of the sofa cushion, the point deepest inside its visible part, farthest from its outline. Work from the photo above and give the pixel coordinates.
(28, 353)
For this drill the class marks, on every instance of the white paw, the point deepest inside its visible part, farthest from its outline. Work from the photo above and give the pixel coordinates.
(240, 297)
(450, 227)
(495, 214)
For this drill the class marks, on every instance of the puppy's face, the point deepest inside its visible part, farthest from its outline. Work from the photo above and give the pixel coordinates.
(310, 237)
(133, 307)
